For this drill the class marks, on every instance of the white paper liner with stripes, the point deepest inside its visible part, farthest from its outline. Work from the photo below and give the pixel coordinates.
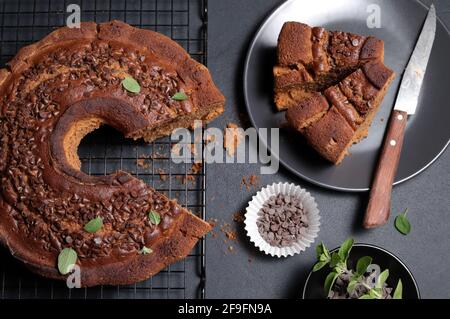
(308, 234)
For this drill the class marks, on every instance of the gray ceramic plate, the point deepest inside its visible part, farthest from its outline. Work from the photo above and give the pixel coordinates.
(428, 131)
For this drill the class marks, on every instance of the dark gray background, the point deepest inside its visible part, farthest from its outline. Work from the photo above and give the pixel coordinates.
(247, 273)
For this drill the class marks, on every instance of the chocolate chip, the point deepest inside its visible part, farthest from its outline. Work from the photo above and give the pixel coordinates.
(282, 220)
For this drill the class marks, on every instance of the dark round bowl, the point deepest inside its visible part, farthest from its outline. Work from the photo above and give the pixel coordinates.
(313, 288)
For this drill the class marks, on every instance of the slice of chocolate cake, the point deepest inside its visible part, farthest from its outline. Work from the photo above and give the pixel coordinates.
(312, 59)
(341, 116)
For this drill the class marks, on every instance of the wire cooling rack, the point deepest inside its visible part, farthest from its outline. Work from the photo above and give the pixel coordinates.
(104, 151)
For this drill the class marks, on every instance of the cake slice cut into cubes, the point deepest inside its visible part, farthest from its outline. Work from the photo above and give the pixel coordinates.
(341, 116)
(331, 83)
(310, 59)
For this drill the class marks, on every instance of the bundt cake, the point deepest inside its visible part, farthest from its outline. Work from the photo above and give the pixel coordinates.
(312, 59)
(331, 83)
(54, 92)
(333, 121)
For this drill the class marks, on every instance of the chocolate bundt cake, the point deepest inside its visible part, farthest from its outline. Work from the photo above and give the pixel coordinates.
(312, 59)
(341, 116)
(56, 91)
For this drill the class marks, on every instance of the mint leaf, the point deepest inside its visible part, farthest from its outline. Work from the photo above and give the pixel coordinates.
(145, 251)
(344, 250)
(131, 85)
(67, 258)
(94, 225)
(402, 223)
(398, 290)
(154, 217)
(319, 265)
(362, 264)
(180, 96)
(335, 259)
(329, 282)
(382, 279)
(320, 250)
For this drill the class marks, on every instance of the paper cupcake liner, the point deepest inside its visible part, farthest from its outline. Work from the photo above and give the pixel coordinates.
(305, 239)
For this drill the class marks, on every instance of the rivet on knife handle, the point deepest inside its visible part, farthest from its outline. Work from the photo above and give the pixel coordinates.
(379, 206)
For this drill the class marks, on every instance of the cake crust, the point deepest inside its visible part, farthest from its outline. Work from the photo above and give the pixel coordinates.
(54, 93)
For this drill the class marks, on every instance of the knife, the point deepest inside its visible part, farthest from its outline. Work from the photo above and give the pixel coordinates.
(379, 206)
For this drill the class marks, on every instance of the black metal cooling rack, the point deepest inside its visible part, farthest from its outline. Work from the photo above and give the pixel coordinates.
(104, 151)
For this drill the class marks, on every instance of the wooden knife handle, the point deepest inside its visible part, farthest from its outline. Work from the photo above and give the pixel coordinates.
(379, 206)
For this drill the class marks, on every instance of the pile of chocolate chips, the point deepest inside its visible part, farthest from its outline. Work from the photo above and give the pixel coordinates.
(282, 220)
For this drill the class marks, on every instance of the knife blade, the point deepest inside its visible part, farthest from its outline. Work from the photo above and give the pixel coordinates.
(379, 206)
(408, 96)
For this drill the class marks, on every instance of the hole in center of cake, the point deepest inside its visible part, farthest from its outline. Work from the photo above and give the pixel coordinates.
(102, 150)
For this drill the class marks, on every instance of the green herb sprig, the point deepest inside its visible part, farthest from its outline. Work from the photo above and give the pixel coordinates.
(337, 262)
(402, 223)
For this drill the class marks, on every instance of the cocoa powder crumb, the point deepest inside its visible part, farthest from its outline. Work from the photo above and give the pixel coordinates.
(250, 181)
(195, 169)
(212, 222)
(162, 174)
(238, 217)
(210, 138)
(176, 150)
(194, 151)
(228, 232)
(142, 161)
(157, 155)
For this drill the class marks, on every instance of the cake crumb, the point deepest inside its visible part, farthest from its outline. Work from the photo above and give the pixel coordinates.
(162, 174)
(194, 151)
(157, 155)
(196, 168)
(142, 163)
(228, 232)
(238, 217)
(210, 139)
(250, 181)
(230, 248)
(212, 222)
(232, 138)
(176, 150)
